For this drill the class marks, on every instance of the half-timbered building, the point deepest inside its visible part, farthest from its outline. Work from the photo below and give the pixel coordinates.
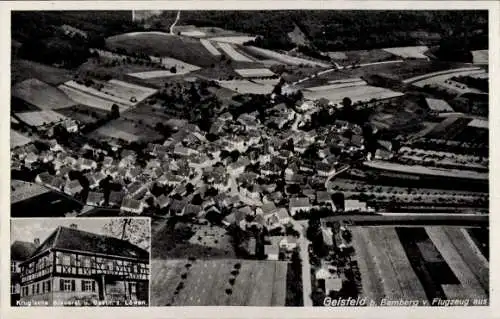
(75, 267)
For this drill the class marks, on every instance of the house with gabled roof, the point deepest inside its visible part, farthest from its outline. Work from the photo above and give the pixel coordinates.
(133, 206)
(299, 204)
(44, 178)
(116, 198)
(73, 265)
(73, 187)
(95, 199)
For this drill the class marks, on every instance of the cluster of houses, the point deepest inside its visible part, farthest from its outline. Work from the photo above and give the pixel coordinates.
(187, 164)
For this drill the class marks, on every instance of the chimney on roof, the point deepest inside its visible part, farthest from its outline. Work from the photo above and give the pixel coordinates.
(37, 241)
(73, 226)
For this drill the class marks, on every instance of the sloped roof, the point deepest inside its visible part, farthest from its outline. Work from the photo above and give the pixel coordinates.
(66, 238)
(21, 250)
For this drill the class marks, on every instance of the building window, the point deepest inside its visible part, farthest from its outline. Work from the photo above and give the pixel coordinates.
(111, 265)
(38, 288)
(73, 260)
(67, 285)
(48, 285)
(12, 289)
(87, 285)
(86, 262)
(66, 260)
(132, 287)
(13, 267)
(33, 289)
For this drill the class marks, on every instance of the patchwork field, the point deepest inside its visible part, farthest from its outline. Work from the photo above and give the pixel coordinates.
(210, 47)
(249, 73)
(23, 69)
(193, 33)
(416, 52)
(283, 58)
(186, 49)
(239, 39)
(90, 100)
(361, 56)
(441, 80)
(419, 263)
(39, 118)
(115, 91)
(41, 95)
(400, 70)
(17, 139)
(233, 54)
(360, 93)
(126, 130)
(85, 114)
(338, 84)
(221, 282)
(443, 75)
(247, 87)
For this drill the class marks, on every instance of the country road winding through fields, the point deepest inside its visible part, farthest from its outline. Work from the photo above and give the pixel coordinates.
(175, 22)
(338, 68)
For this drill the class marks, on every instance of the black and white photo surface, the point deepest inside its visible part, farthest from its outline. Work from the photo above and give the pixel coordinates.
(80, 262)
(302, 158)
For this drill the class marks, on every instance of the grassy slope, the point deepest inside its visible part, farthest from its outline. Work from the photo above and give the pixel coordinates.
(183, 48)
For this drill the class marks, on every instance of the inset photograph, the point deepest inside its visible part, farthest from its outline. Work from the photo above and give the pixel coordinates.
(80, 262)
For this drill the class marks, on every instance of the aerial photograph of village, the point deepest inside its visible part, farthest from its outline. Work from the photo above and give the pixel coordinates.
(299, 158)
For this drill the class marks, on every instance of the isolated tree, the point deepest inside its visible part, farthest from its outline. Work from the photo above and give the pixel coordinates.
(347, 102)
(115, 111)
(136, 231)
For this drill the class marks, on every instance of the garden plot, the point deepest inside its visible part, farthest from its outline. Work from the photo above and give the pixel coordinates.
(283, 58)
(233, 39)
(361, 93)
(254, 73)
(210, 47)
(233, 54)
(416, 52)
(226, 282)
(17, 139)
(41, 95)
(247, 87)
(211, 236)
(40, 118)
